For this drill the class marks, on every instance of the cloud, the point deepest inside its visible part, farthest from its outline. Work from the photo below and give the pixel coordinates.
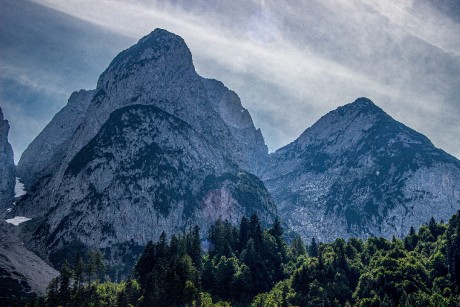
(292, 63)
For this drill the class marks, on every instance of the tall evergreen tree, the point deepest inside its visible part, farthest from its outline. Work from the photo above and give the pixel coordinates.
(297, 247)
(244, 233)
(255, 231)
(313, 248)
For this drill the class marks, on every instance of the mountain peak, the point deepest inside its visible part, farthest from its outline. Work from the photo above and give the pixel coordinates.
(361, 105)
(358, 172)
(160, 50)
(159, 32)
(162, 38)
(363, 101)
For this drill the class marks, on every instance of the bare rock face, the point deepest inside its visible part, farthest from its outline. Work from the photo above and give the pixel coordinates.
(358, 173)
(226, 103)
(43, 155)
(155, 147)
(7, 168)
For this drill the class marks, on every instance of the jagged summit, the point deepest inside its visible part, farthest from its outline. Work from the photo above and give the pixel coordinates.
(160, 51)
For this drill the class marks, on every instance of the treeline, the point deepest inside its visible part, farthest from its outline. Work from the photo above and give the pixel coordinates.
(249, 266)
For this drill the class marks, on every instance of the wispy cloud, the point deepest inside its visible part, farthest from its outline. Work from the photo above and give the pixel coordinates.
(307, 58)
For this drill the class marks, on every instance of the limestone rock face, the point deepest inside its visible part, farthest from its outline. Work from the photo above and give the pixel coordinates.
(7, 168)
(43, 155)
(358, 173)
(155, 147)
(226, 103)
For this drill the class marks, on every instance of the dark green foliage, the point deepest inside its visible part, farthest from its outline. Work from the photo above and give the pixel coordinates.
(453, 250)
(313, 248)
(246, 265)
(168, 273)
(250, 259)
(297, 247)
(77, 283)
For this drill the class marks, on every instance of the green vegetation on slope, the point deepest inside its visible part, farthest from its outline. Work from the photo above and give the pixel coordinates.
(248, 266)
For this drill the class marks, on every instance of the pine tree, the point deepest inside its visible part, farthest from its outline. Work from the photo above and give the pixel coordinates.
(313, 248)
(276, 230)
(255, 231)
(243, 233)
(194, 247)
(65, 280)
(453, 251)
(79, 270)
(52, 293)
(298, 247)
(99, 266)
(145, 264)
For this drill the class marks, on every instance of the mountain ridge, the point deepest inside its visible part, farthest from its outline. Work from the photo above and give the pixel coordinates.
(156, 147)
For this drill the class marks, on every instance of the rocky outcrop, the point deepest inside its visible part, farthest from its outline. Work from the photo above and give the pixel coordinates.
(7, 168)
(43, 155)
(157, 148)
(358, 173)
(252, 148)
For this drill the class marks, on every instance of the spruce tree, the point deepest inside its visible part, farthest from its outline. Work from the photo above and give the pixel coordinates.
(313, 248)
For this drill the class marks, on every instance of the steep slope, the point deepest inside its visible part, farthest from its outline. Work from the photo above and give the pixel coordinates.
(159, 148)
(47, 150)
(227, 104)
(7, 169)
(23, 274)
(358, 172)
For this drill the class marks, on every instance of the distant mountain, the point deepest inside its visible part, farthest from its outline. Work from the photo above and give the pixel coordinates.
(155, 147)
(7, 168)
(357, 172)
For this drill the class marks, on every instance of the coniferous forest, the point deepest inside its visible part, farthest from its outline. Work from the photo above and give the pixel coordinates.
(251, 266)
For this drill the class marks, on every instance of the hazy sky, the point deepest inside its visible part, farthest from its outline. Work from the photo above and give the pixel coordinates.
(289, 61)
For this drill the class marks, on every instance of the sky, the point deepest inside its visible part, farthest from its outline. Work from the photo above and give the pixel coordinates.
(290, 62)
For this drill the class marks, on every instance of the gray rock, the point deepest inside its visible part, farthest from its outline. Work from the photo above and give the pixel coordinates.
(47, 150)
(7, 168)
(157, 148)
(358, 173)
(23, 274)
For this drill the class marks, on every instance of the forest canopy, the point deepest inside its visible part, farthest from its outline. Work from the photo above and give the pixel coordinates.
(247, 265)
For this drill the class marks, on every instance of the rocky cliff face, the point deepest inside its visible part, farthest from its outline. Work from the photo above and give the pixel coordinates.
(7, 168)
(155, 147)
(43, 155)
(357, 173)
(251, 143)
